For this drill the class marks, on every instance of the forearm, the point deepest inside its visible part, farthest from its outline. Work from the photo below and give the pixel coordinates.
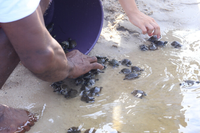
(37, 50)
(56, 66)
(129, 6)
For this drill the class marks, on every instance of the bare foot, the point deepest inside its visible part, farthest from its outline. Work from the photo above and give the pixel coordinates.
(15, 120)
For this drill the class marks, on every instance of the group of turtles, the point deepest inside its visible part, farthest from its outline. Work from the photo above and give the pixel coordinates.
(88, 80)
(87, 89)
(61, 88)
(65, 44)
(155, 43)
(189, 83)
(130, 73)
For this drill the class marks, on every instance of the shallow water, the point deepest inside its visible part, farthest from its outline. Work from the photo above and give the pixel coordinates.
(168, 107)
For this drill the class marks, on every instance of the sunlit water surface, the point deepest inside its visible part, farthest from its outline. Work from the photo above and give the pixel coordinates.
(168, 107)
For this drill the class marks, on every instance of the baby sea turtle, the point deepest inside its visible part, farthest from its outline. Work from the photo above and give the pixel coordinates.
(126, 62)
(139, 93)
(72, 43)
(67, 92)
(71, 93)
(132, 75)
(136, 69)
(153, 38)
(153, 47)
(57, 84)
(65, 46)
(101, 59)
(90, 82)
(85, 88)
(160, 43)
(189, 82)
(95, 91)
(74, 130)
(88, 75)
(125, 71)
(143, 47)
(96, 71)
(176, 44)
(114, 63)
(79, 81)
(66, 43)
(86, 98)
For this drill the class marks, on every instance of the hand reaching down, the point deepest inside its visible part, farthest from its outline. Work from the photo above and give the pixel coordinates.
(145, 23)
(81, 63)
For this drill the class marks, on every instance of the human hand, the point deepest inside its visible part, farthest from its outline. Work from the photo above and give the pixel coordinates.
(81, 63)
(145, 23)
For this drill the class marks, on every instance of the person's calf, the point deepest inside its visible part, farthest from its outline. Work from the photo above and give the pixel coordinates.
(8, 58)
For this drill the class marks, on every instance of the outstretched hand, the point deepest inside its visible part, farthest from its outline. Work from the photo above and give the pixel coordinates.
(145, 23)
(81, 63)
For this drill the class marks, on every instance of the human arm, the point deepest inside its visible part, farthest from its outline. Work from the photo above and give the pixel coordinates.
(40, 53)
(145, 23)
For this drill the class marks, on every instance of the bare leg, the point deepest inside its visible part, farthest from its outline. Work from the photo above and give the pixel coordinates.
(8, 57)
(13, 120)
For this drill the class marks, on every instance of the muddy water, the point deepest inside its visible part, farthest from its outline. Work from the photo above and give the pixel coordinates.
(168, 107)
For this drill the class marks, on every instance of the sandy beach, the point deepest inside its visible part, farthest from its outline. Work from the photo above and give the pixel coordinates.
(166, 108)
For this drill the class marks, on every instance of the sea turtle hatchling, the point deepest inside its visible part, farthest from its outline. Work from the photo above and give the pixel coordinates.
(139, 93)
(72, 43)
(176, 44)
(74, 130)
(126, 62)
(101, 59)
(189, 83)
(125, 71)
(143, 47)
(136, 69)
(113, 62)
(153, 47)
(153, 38)
(160, 43)
(132, 75)
(86, 98)
(95, 91)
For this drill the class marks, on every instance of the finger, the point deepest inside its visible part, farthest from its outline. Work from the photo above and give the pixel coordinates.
(156, 29)
(144, 29)
(96, 66)
(92, 59)
(150, 29)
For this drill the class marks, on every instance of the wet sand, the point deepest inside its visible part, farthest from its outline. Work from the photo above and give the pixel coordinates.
(167, 106)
